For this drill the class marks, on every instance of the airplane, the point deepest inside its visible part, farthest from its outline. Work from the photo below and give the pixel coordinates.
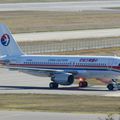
(62, 69)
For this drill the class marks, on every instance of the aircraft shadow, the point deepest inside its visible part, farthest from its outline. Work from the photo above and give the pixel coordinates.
(47, 88)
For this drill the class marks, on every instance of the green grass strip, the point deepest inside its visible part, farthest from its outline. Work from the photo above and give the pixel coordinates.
(60, 103)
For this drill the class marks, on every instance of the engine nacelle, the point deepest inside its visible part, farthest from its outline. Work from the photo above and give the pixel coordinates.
(63, 78)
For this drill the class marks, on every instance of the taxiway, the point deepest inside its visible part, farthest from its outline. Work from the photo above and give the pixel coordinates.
(16, 82)
(18, 115)
(63, 6)
(67, 35)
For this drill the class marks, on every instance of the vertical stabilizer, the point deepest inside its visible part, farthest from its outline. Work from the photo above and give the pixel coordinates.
(8, 45)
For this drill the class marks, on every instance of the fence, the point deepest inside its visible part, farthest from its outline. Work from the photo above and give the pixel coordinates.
(68, 45)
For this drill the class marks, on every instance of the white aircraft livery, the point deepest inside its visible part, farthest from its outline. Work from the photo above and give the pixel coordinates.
(62, 70)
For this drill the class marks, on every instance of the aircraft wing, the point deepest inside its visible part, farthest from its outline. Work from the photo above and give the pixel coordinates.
(36, 69)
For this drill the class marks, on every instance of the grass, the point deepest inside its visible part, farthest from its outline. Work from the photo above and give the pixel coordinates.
(38, 21)
(60, 103)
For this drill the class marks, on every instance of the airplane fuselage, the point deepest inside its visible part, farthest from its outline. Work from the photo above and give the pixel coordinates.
(61, 69)
(81, 66)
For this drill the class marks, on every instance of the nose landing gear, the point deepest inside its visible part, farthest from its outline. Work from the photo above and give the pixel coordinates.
(113, 86)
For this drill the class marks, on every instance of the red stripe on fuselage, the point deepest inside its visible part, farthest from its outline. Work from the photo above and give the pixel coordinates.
(64, 66)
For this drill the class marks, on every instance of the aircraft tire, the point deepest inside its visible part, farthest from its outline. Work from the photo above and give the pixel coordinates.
(53, 85)
(110, 87)
(83, 84)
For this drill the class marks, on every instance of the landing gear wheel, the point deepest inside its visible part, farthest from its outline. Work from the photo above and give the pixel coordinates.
(83, 84)
(53, 85)
(110, 87)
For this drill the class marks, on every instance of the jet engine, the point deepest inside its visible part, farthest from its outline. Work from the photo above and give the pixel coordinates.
(63, 78)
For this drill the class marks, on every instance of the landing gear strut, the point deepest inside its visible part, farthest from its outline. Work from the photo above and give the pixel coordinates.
(53, 85)
(83, 84)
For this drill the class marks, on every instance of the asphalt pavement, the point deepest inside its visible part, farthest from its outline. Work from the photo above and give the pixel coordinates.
(97, 5)
(67, 35)
(18, 115)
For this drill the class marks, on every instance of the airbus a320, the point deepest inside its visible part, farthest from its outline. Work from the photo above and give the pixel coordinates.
(62, 70)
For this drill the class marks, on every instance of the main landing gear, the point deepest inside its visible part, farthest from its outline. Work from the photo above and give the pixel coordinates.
(83, 84)
(53, 85)
(113, 86)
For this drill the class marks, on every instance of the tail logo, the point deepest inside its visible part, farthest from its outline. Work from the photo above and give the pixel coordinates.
(5, 39)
